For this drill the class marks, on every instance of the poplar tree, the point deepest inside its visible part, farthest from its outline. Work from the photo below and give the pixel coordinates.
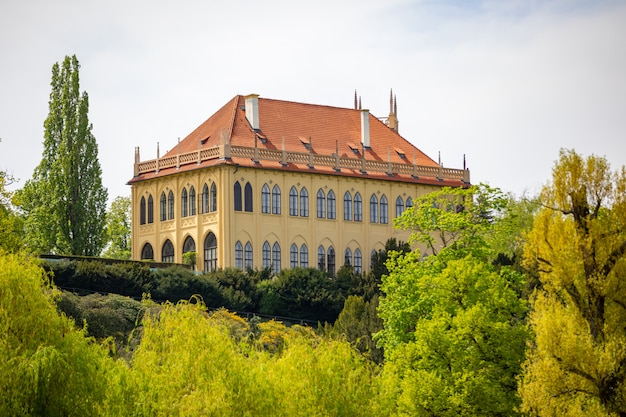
(65, 202)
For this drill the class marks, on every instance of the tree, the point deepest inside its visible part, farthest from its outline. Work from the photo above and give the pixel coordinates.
(454, 333)
(65, 202)
(11, 225)
(577, 364)
(118, 229)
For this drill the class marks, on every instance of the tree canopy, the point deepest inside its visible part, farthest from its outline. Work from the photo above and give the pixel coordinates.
(118, 229)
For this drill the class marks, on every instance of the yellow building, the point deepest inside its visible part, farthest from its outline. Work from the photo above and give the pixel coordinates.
(270, 183)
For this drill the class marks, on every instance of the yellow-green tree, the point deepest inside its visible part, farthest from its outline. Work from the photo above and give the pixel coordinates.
(577, 363)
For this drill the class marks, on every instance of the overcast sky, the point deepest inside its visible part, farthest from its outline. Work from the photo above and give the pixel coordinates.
(505, 82)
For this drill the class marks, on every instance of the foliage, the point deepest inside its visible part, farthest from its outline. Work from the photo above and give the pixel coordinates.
(189, 258)
(11, 225)
(577, 365)
(372, 280)
(239, 289)
(65, 203)
(177, 283)
(118, 229)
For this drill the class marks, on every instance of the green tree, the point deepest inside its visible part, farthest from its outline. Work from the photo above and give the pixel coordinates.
(577, 364)
(65, 202)
(454, 335)
(118, 229)
(11, 225)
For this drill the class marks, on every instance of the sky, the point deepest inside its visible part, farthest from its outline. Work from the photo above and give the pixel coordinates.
(505, 83)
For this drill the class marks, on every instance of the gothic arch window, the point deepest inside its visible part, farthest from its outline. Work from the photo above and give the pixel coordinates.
(192, 201)
(409, 202)
(304, 202)
(304, 256)
(167, 253)
(347, 257)
(358, 261)
(267, 255)
(237, 195)
(293, 256)
(247, 256)
(293, 201)
(150, 209)
(374, 209)
(147, 252)
(276, 258)
(189, 245)
(248, 197)
(163, 207)
(213, 198)
(321, 204)
(347, 206)
(142, 210)
(331, 261)
(321, 258)
(373, 256)
(358, 208)
(170, 205)
(384, 210)
(184, 201)
(399, 206)
(276, 199)
(332, 205)
(210, 252)
(238, 255)
(265, 199)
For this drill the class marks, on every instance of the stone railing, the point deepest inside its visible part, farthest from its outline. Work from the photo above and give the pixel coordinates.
(310, 159)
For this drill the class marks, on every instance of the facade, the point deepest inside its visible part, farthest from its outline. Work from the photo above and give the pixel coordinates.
(270, 183)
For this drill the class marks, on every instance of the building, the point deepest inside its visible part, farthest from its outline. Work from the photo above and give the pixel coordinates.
(271, 183)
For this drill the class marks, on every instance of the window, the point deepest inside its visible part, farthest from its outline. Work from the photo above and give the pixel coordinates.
(170, 205)
(184, 200)
(358, 208)
(276, 258)
(409, 202)
(192, 201)
(237, 195)
(150, 209)
(332, 205)
(321, 258)
(248, 197)
(167, 253)
(304, 202)
(347, 206)
(248, 256)
(213, 198)
(347, 257)
(358, 261)
(321, 204)
(384, 210)
(189, 245)
(238, 255)
(399, 206)
(163, 206)
(267, 255)
(205, 198)
(293, 201)
(373, 257)
(304, 256)
(210, 252)
(374, 209)
(276, 199)
(142, 211)
(147, 252)
(265, 199)
(331, 261)
(293, 256)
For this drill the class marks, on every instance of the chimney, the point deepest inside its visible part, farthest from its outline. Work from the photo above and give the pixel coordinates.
(365, 128)
(252, 110)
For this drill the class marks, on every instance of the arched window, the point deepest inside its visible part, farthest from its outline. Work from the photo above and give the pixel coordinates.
(210, 252)
(276, 258)
(184, 200)
(409, 202)
(321, 258)
(247, 256)
(373, 257)
(304, 256)
(293, 256)
(147, 252)
(213, 197)
(170, 205)
(384, 210)
(293, 201)
(331, 261)
(276, 199)
(304, 202)
(205, 198)
(189, 245)
(248, 197)
(163, 207)
(167, 253)
(237, 195)
(267, 255)
(358, 208)
(347, 257)
(332, 205)
(358, 261)
(321, 204)
(150, 209)
(142, 210)
(399, 206)
(347, 206)
(192, 201)
(374, 209)
(238, 255)
(265, 199)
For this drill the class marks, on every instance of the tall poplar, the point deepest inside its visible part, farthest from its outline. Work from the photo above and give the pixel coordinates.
(65, 201)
